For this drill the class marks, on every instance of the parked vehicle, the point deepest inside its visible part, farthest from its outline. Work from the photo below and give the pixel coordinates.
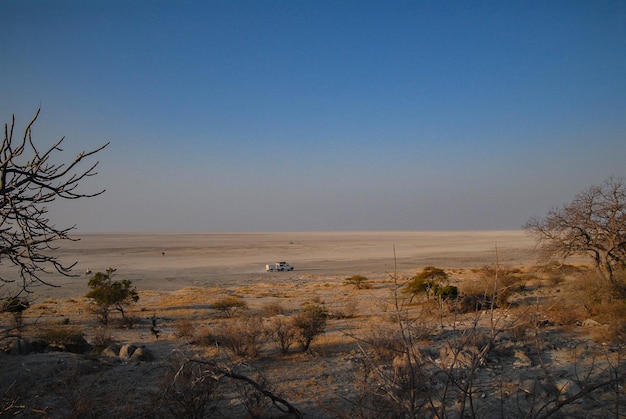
(278, 266)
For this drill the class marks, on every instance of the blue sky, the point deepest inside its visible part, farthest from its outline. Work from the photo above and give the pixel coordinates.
(321, 115)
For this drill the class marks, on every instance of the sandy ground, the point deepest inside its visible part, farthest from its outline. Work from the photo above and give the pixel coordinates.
(167, 262)
(542, 339)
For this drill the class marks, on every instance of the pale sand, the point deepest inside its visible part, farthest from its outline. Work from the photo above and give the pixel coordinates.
(167, 262)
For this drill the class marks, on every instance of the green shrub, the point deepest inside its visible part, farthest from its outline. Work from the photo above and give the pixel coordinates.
(108, 294)
(310, 322)
(445, 292)
(425, 281)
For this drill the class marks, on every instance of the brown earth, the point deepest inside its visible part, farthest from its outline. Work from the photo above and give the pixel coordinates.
(542, 348)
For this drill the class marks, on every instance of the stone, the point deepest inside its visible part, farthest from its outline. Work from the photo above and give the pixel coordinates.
(126, 351)
(590, 323)
(112, 351)
(567, 387)
(142, 354)
(521, 360)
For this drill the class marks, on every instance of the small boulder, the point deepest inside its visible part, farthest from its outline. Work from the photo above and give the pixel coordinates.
(521, 360)
(112, 351)
(142, 354)
(590, 323)
(533, 387)
(126, 351)
(566, 387)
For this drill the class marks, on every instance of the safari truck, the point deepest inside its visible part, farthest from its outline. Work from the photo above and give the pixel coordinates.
(279, 266)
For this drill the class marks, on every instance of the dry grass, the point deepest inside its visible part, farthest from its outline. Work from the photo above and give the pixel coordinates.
(362, 323)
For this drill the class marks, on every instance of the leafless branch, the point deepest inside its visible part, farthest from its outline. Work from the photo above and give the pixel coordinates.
(29, 180)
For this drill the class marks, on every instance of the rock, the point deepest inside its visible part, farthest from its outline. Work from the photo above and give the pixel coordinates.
(450, 358)
(532, 387)
(113, 351)
(142, 354)
(590, 323)
(126, 351)
(521, 360)
(567, 387)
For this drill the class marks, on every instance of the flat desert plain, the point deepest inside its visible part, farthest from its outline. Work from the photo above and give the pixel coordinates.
(536, 353)
(168, 262)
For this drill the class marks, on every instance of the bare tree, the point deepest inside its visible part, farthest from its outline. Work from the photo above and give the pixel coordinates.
(594, 223)
(29, 180)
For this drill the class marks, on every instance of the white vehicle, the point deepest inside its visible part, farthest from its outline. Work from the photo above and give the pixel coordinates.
(279, 266)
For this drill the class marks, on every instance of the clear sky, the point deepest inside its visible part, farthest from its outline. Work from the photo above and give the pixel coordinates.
(321, 115)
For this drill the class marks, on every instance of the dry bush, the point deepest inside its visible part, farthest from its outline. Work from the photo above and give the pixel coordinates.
(565, 313)
(102, 340)
(128, 322)
(229, 306)
(282, 332)
(273, 309)
(385, 343)
(67, 339)
(500, 282)
(243, 336)
(617, 324)
(556, 272)
(599, 297)
(187, 392)
(522, 330)
(475, 296)
(254, 401)
(78, 397)
(348, 310)
(184, 329)
(359, 281)
(472, 302)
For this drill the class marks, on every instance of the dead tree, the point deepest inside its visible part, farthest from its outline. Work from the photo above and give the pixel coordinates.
(593, 224)
(30, 179)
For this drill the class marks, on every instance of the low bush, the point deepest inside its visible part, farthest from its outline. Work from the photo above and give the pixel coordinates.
(348, 310)
(273, 309)
(187, 391)
(102, 341)
(66, 339)
(425, 281)
(16, 306)
(385, 343)
(500, 282)
(229, 306)
(359, 281)
(282, 332)
(108, 295)
(310, 322)
(244, 336)
(472, 302)
(184, 329)
(445, 292)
